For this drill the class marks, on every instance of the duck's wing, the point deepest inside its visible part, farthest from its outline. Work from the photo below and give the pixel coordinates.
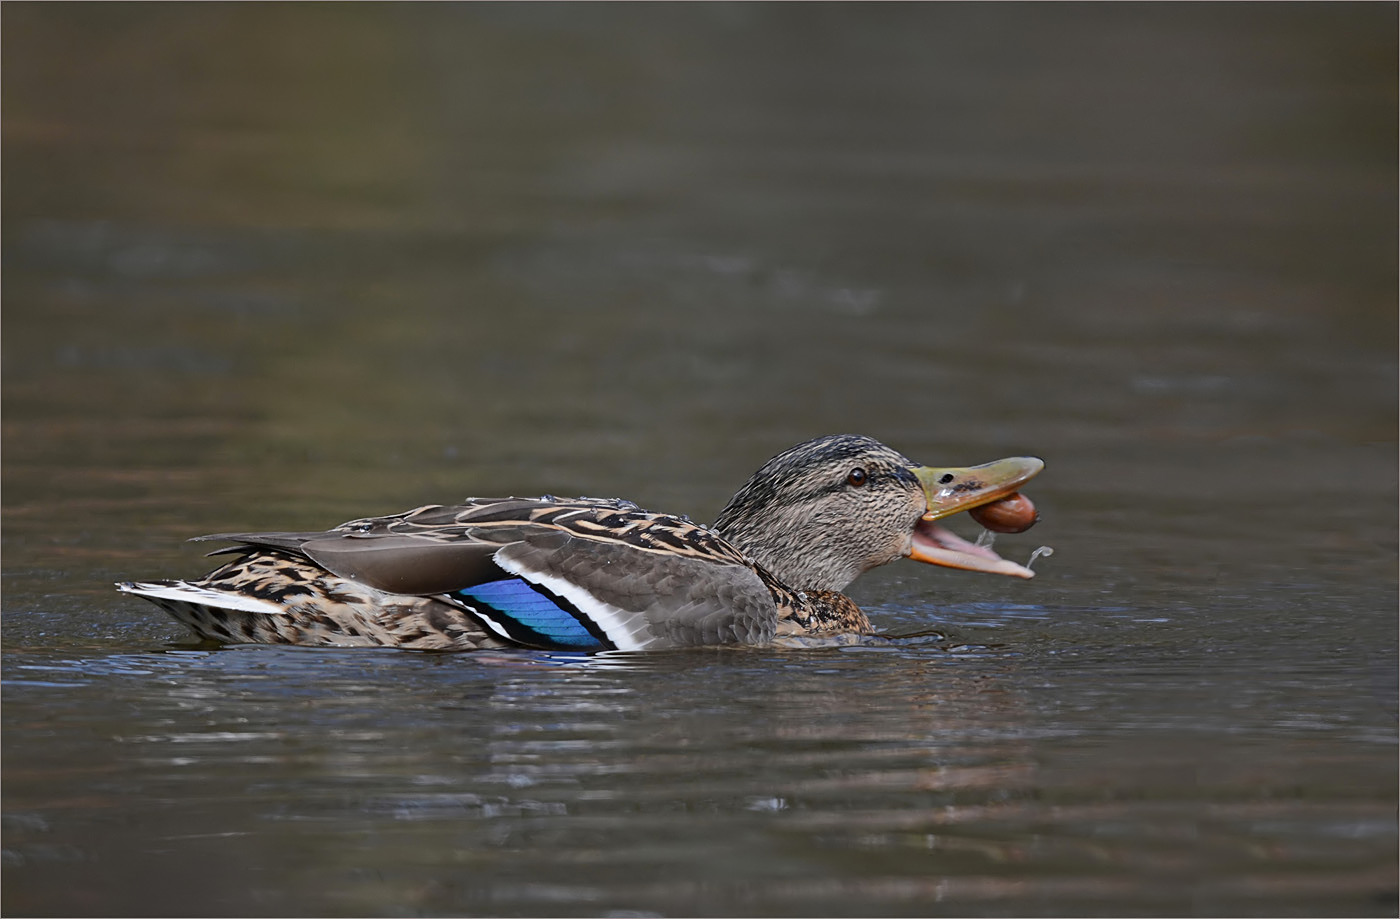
(555, 573)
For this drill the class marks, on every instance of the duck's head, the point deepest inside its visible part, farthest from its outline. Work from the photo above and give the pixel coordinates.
(821, 513)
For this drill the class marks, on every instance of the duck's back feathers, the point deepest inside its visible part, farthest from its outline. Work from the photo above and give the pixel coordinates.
(578, 574)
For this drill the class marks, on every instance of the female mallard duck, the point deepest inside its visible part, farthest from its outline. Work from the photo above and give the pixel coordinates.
(589, 574)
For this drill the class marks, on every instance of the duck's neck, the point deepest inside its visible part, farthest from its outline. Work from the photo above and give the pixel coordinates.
(789, 544)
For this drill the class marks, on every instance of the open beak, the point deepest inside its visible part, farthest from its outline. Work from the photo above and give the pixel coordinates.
(951, 491)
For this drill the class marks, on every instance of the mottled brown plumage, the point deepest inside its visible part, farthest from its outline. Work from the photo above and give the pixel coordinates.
(598, 574)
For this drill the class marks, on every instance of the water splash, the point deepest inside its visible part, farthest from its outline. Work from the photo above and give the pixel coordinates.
(1043, 550)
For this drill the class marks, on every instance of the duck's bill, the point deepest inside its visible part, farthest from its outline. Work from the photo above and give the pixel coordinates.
(954, 490)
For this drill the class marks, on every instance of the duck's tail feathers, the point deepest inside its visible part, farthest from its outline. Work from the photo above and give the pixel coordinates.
(164, 593)
(221, 615)
(344, 620)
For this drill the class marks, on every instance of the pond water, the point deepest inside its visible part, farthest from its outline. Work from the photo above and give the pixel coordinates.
(280, 266)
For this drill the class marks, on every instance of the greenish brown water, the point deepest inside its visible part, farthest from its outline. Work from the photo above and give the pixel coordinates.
(279, 266)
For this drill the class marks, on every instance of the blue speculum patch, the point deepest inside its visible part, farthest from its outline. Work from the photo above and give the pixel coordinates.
(530, 615)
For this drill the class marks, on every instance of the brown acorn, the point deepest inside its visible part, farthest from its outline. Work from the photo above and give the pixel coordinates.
(1013, 514)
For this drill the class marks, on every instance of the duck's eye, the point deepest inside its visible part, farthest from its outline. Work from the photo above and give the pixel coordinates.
(857, 477)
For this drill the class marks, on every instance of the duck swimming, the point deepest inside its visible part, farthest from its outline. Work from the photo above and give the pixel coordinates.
(590, 574)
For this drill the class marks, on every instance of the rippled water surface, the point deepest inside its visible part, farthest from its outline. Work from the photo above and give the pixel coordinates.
(279, 266)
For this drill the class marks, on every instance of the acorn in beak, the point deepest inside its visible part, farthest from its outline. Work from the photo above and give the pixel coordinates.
(991, 486)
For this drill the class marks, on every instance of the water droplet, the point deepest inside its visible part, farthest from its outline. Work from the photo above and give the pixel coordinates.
(1043, 550)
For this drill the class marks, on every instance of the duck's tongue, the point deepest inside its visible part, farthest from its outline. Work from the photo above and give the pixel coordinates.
(939, 545)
